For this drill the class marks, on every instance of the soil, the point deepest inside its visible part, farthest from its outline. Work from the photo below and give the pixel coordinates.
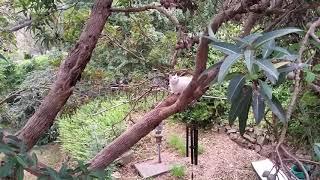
(221, 159)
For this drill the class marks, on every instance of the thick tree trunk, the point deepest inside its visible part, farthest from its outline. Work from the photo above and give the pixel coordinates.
(70, 71)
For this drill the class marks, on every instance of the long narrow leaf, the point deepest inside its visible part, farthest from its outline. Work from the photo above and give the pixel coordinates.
(226, 48)
(268, 67)
(277, 108)
(249, 58)
(244, 109)
(316, 148)
(258, 106)
(265, 89)
(268, 48)
(274, 34)
(235, 87)
(228, 62)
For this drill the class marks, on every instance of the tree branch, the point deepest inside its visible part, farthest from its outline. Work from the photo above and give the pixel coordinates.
(171, 104)
(293, 102)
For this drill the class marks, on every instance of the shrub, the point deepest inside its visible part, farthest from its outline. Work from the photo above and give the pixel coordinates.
(92, 127)
(207, 110)
(306, 125)
(178, 171)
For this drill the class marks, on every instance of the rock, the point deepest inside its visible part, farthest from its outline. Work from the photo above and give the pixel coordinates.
(228, 127)
(250, 146)
(257, 148)
(250, 129)
(268, 137)
(258, 131)
(231, 131)
(249, 138)
(126, 158)
(222, 130)
(261, 140)
(272, 138)
(234, 136)
(116, 175)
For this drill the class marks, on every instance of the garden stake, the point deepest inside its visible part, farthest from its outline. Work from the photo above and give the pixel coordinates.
(187, 140)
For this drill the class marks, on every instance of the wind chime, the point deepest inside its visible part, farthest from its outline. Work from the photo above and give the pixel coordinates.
(192, 138)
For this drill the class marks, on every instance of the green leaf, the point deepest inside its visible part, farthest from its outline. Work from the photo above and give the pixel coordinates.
(258, 106)
(244, 109)
(20, 173)
(277, 108)
(235, 87)
(6, 169)
(266, 89)
(268, 48)
(2, 57)
(227, 48)
(98, 174)
(227, 63)
(6, 149)
(21, 161)
(248, 40)
(239, 107)
(316, 67)
(249, 58)
(316, 148)
(270, 77)
(268, 67)
(34, 159)
(310, 76)
(267, 36)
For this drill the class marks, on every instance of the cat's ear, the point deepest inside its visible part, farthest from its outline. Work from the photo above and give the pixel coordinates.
(176, 75)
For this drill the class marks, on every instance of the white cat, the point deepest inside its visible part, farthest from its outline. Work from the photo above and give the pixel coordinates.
(178, 84)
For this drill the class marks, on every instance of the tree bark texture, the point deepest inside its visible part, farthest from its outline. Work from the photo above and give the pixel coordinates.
(69, 72)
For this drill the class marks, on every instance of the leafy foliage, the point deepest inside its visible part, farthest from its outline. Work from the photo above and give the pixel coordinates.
(263, 60)
(92, 127)
(17, 159)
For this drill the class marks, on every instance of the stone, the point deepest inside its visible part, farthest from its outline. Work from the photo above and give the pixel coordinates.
(116, 175)
(151, 169)
(257, 148)
(258, 131)
(125, 158)
(231, 131)
(272, 138)
(261, 140)
(221, 130)
(234, 136)
(249, 138)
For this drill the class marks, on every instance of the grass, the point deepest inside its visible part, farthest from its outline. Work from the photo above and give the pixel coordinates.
(179, 144)
(178, 171)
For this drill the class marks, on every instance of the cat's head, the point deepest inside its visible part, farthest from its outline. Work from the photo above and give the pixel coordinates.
(173, 79)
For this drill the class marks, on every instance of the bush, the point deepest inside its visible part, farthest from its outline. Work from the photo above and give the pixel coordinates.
(93, 126)
(305, 125)
(207, 110)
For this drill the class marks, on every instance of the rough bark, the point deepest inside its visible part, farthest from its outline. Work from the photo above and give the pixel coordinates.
(69, 72)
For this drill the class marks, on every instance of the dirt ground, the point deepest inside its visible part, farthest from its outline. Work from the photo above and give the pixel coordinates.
(222, 158)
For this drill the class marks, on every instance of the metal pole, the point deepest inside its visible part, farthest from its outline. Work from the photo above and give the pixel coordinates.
(187, 140)
(192, 144)
(196, 145)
